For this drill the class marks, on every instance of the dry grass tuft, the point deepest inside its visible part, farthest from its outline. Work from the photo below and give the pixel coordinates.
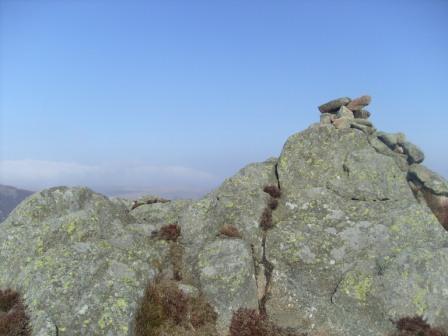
(230, 231)
(13, 318)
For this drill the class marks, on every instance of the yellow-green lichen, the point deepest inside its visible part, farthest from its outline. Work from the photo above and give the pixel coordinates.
(419, 301)
(357, 285)
(70, 228)
(394, 228)
(104, 321)
(121, 304)
(40, 246)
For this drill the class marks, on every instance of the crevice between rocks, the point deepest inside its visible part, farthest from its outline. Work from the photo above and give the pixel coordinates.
(276, 175)
(268, 267)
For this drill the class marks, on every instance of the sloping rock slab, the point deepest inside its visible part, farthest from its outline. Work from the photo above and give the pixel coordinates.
(68, 250)
(351, 247)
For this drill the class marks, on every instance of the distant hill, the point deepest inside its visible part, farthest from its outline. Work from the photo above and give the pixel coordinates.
(10, 197)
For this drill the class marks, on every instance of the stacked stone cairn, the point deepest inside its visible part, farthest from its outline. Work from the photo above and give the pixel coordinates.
(428, 186)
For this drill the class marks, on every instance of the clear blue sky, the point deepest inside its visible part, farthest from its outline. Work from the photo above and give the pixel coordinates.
(181, 94)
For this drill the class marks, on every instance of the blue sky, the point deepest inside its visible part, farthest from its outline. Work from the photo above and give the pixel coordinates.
(174, 96)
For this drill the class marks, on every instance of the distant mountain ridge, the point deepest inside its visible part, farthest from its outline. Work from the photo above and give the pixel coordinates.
(10, 197)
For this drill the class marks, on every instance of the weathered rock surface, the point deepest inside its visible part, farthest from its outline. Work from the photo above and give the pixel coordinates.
(352, 244)
(429, 179)
(78, 260)
(415, 154)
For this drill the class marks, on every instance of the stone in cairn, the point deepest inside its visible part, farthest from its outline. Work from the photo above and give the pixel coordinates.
(359, 103)
(357, 106)
(362, 114)
(333, 106)
(344, 112)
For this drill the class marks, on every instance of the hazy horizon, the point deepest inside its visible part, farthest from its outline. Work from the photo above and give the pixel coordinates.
(173, 97)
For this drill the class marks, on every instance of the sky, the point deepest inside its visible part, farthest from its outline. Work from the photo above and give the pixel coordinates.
(172, 97)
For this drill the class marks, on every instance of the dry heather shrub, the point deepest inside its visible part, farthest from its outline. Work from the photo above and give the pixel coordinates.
(202, 314)
(273, 203)
(272, 190)
(248, 322)
(166, 310)
(169, 232)
(266, 219)
(13, 318)
(416, 326)
(230, 231)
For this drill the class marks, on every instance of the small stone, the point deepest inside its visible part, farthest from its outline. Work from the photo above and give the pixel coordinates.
(359, 103)
(390, 139)
(344, 112)
(399, 149)
(415, 154)
(363, 114)
(325, 118)
(334, 105)
(341, 123)
(366, 129)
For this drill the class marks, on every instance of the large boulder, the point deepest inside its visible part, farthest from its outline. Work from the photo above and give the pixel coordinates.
(79, 261)
(351, 246)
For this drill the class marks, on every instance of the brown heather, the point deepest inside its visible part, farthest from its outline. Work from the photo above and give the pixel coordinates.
(230, 231)
(13, 318)
(272, 190)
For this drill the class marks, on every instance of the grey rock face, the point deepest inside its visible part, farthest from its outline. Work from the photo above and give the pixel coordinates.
(415, 154)
(77, 260)
(348, 229)
(334, 105)
(227, 277)
(429, 179)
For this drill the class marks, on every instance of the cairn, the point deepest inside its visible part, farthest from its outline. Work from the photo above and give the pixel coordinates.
(347, 113)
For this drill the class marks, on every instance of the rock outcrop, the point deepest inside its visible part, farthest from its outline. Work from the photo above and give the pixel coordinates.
(343, 233)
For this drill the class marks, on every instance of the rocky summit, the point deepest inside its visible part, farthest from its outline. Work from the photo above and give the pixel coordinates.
(342, 234)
